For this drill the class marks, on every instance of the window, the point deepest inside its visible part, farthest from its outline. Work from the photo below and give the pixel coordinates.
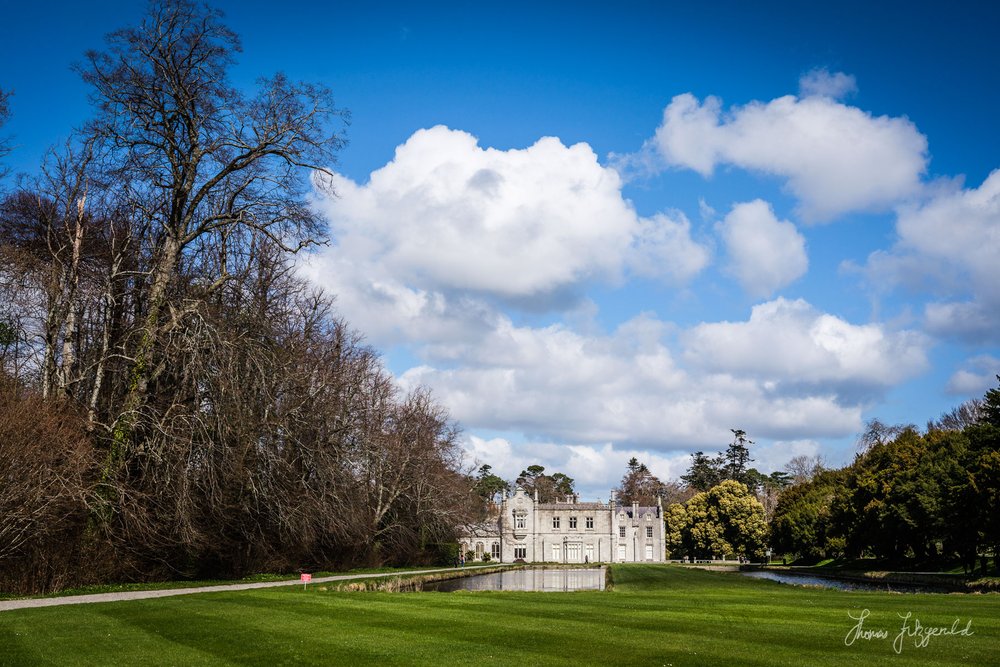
(555, 522)
(590, 522)
(649, 531)
(519, 522)
(520, 552)
(589, 553)
(649, 517)
(572, 522)
(621, 531)
(649, 552)
(621, 552)
(495, 550)
(555, 553)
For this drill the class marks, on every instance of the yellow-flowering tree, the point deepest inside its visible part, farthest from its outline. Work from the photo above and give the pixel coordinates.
(725, 520)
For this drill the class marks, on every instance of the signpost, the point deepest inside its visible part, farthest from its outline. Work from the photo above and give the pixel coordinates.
(306, 578)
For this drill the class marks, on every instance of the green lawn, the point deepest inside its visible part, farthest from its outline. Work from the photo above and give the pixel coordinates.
(656, 615)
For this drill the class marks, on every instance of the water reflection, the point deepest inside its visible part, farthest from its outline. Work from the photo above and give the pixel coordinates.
(542, 579)
(839, 584)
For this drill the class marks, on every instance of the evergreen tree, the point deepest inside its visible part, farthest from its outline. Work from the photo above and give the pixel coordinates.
(991, 407)
(489, 486)
(737, 457)
(639, 485)
(704, 473)
(549, 487)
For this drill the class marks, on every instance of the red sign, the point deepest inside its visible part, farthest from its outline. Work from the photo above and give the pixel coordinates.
(306, 578)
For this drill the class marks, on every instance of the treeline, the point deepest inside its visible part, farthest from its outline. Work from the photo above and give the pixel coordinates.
(175, 401)
(638, 485)
(932, 496)
(490, 487)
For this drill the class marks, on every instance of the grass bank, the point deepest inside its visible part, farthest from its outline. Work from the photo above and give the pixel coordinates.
(193, 583)
(656, 615)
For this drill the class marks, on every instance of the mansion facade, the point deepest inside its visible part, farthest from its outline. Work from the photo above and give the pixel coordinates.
(567, 532)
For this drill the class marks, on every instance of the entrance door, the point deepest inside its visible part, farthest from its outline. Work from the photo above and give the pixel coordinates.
(621, 552)
(649, 552)
(589, 549)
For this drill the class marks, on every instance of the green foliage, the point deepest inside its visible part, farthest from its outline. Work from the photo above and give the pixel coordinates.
(549, 487)
(8, 334)
(446, 553)
(706, 472)
(488, 486)
(930, 497)
(675, 534)
(726, 520)
(802, 524)
(737, 457)
(991, 407)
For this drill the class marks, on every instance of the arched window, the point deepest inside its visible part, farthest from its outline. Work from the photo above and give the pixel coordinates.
(495, 550)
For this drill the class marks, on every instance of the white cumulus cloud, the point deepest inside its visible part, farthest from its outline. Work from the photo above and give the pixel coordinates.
(627, 387)
(980, 373)
(836, 158)
(821, 82)
(951, 242)
(764, 253)
(447, 215)
(791, 342)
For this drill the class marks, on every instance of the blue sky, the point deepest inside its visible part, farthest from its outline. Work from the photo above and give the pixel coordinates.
(599, 232)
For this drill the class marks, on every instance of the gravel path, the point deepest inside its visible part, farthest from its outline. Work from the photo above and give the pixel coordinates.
(7, 605)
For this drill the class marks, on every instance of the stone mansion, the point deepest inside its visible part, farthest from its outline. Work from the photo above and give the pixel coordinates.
(568, 532)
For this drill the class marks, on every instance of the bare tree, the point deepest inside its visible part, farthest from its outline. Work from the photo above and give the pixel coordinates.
(5, 146)
(803, 468)
(957, 419)
(879, 433)
(44, 224)
(46, 462)
(217, 416)
(199, 158)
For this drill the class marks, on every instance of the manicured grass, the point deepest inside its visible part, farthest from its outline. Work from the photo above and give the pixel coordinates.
(656, 615)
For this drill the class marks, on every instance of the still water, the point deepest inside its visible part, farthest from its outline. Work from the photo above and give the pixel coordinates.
(541, 579)
(806, 580)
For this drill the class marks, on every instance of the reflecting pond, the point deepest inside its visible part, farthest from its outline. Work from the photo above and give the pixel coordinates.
(840, 584)
(540, 579)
